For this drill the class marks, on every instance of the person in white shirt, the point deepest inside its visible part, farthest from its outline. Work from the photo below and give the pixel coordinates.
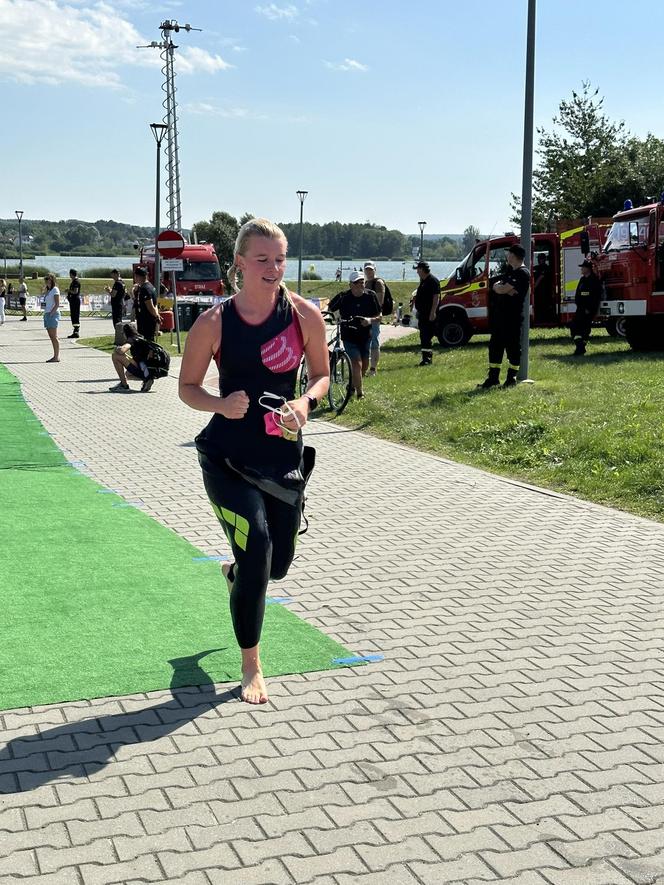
(52, 314)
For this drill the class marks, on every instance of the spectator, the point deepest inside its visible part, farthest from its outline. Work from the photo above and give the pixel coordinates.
(358, 307)
(118, 294)
(587, 298)
(426, 301)
(131, 358)
(377, 286)
(3, 293)
(145, 305)
(23, 299)
(52, 314)
(508, 295)
(74, 299)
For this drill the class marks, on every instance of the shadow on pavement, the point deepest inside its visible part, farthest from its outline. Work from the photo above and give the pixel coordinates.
(101, 736)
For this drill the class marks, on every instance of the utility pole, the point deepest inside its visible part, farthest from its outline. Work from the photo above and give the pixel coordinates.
(527, 181)
(170, 119)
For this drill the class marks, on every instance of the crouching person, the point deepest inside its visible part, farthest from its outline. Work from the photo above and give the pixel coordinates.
(138, 358)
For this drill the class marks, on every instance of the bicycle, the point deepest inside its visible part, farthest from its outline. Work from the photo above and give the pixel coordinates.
(340, 370)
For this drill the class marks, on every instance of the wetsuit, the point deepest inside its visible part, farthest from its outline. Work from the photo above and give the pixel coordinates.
(254, 480)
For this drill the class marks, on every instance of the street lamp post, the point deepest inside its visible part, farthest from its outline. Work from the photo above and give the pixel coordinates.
(422, 225)
(301, 195)
(19, 215)
(158, 130)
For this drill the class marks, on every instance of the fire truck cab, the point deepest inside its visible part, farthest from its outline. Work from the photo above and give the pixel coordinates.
(200, 277)
(631, 266)
(554, 263)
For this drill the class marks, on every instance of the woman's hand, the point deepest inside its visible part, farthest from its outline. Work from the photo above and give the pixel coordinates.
(235, 405)
(300, 407)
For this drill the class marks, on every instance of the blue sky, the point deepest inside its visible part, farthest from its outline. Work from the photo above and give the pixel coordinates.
(384, 110)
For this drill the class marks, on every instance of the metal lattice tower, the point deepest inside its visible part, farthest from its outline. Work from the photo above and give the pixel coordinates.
(170, 117)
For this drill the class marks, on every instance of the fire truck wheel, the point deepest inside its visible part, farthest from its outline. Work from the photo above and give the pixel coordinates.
(615, 327)
(453, 329)
(645, 333)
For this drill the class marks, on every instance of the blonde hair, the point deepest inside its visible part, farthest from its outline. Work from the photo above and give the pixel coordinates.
(256, 227)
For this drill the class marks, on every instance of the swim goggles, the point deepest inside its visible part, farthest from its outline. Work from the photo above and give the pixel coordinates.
(274, 425)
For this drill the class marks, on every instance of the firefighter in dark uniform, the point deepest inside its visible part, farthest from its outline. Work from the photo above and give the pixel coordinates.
(74, 299)
(587, 298)
(507, 298)
(426, 302)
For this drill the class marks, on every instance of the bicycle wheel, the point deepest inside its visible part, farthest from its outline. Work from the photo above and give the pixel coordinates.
(340, 380)
(304, 377)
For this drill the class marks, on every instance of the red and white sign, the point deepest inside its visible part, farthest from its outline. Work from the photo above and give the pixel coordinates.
(170, 243)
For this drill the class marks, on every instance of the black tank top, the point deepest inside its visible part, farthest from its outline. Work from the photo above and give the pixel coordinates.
(258, 359)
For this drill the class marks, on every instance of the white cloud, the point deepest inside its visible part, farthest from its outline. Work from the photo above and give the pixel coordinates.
(276, 13)
(191, 59)
(294, 38)
(82, 42)
(207, 109)
(348, 64)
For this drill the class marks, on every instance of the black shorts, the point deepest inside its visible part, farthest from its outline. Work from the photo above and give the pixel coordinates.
(22, 300)
(136, 371)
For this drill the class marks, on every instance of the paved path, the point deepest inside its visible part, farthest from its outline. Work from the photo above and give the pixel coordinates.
(513, 733)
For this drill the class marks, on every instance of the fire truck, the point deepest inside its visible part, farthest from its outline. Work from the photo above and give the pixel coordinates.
(631, 266)
(554, 262)
(200, 277)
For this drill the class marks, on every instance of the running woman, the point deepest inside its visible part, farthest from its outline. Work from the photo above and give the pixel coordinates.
(251, 453)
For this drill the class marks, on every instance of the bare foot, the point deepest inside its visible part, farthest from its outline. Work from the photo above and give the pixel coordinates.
(225, 569)
(254, 690)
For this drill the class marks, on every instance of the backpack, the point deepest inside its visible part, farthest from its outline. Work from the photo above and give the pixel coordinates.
(158, 361)
(388, 302)
(154, 356)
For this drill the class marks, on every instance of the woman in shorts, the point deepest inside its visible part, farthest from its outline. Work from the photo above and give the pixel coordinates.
(52, 314)
(251, 452)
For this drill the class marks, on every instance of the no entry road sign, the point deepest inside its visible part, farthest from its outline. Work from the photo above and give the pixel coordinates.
(170, 243)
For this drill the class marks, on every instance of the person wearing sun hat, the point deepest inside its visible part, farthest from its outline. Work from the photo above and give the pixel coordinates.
(358, 308)
(377, 286)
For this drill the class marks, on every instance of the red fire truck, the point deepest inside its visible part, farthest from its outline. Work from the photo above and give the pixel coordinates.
(463, 308)
(200, 276)
(631, 266)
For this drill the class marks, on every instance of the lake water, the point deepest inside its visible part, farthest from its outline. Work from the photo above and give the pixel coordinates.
(389, 270)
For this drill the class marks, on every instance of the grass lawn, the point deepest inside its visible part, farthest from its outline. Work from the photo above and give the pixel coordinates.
(588, 426)
(106, 342)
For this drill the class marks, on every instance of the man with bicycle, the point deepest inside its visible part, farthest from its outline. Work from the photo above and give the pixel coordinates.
(358, 307)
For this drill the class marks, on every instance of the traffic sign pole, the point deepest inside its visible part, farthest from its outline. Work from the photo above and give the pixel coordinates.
(170, 244)
(175, 310)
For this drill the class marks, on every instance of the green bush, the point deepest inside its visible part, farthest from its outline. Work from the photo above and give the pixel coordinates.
(28, 270)
(102, 272)
(311, 275)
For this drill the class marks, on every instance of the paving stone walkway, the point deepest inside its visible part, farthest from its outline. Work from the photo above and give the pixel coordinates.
(514, 732)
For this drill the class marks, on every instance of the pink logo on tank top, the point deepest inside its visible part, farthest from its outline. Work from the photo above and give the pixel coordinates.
(283, 352)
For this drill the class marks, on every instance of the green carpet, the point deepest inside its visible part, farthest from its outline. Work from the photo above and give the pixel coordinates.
(98, 597)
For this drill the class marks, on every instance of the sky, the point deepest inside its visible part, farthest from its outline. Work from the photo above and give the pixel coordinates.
(389, 111)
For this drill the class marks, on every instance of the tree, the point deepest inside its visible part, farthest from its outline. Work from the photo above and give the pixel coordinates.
(221, 231)
(470, 235)
(589, 164)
